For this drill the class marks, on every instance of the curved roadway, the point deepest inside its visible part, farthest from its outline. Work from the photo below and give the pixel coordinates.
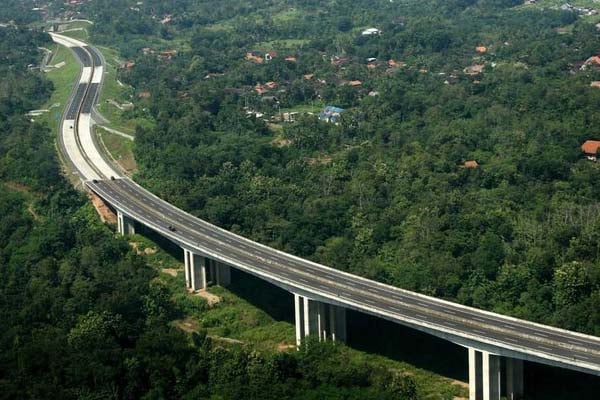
(467, 326)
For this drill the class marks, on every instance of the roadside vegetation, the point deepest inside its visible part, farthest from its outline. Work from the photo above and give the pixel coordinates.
(453, 170)
(84, 316)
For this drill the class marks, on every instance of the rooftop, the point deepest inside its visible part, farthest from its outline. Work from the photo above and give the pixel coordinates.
(590, 146)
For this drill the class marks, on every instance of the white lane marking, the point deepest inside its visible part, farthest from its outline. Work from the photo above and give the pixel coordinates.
(511, 340)
(450, 312)
(420, 316)
(584, 357)
(573, 342)
(449, 323)
(422, 304)
(545, 348)
(479, 319)
(480, 332)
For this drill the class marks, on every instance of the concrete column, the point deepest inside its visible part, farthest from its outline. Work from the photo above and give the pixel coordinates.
(197, 271)
(338, 327)
(299, 317)
(186, 267)
(222, 274)
(190, 266)
(125, 225)
(475, 378)
(212, 272)
(514, 379)
(491, 376)
(326, 321)
(120, 223)
(306, 315)
(484, 375)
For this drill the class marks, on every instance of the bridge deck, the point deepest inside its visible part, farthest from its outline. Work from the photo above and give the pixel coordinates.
(442, 318)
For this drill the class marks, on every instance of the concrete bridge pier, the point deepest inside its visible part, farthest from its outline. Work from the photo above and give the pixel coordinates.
(514, 379)
(313, 317)
(195, 271)
(485, 376)
(201, 271)
(125, 225)
(220, 274)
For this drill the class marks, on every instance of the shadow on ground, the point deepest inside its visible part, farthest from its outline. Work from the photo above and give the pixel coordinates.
(276, 302)
(375, 335)
(544, 382)
(378, 336)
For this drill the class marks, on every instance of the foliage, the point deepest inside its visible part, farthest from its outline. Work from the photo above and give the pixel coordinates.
(384, 193)
(82, 316)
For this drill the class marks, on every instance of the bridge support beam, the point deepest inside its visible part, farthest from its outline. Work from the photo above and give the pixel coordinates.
(475, 375)
(220, 274)
(125, 225)
(201, 271)
(491, 376)
(195, 271)
(485, 376)
(326, 321)
(514, 379)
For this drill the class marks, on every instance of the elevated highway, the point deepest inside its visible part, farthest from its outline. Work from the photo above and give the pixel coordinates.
(321, 294)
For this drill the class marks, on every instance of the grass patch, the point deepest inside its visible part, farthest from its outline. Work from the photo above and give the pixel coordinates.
(287, 16)
(120, 148)
(64, 80)
(112, 91)
(78, 24)
(115, 92)
(82, 34)
(255, 314)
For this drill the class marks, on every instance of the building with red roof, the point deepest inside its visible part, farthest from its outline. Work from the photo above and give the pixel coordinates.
(590, 149)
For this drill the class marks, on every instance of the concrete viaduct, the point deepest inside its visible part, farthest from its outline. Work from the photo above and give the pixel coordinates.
(497, 345)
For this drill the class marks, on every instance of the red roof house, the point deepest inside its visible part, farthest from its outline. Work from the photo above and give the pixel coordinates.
(590, 147)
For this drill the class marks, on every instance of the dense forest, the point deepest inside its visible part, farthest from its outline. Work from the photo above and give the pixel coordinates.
(455, 170)
(82, 316)
(386, 192)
